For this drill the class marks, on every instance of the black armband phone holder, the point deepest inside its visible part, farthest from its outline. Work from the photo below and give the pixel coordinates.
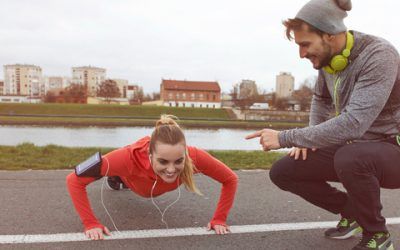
(90, 167)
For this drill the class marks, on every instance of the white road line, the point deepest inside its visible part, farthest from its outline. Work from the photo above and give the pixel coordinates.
(156, 233)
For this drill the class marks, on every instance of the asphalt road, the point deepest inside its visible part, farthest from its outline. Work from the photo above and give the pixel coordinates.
(37, 202)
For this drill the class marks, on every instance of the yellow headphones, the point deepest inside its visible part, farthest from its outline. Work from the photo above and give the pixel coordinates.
(339, 62)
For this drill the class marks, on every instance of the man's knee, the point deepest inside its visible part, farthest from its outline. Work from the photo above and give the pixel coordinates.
(280, 173)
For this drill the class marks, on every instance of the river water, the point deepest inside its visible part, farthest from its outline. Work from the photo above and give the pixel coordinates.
(217, 139)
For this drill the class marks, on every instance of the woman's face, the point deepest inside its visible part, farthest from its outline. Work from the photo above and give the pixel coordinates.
(168, 160)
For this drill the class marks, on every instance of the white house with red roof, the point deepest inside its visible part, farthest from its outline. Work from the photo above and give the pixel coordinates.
(175, 93)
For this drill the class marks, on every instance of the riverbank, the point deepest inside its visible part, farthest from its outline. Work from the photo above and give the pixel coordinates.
(79, 115)
(140, 122)
(28, 156)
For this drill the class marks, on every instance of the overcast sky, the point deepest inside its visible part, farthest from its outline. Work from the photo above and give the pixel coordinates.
(144, 41)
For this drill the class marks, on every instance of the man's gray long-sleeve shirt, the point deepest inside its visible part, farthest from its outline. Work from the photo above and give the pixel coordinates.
(367, 99)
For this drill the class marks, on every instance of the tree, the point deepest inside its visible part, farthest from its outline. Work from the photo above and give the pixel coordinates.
(152, 97)
(281, 103)
(303, 96)
(137, 97)
(50, 97)
(108, 89)
(234, 92)
(310, 81)
(75, 93)
(245, 94)
(156, 96)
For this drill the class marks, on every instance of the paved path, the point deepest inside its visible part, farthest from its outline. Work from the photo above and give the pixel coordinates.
(35, 208)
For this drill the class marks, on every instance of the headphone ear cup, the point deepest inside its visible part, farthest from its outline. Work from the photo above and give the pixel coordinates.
(328, 69)
(339, 63)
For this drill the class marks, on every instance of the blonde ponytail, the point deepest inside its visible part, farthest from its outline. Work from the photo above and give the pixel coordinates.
(167, 120)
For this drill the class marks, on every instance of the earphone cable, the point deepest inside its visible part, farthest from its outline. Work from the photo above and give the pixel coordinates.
(170, 205)
(101, 195)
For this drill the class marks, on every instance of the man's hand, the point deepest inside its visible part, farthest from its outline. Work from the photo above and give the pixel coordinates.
(268, 138)
(97, 233)
(295, 152)
(219, 229)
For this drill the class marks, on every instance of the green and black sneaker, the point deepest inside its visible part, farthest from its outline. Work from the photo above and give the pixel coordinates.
(345, 229)
(378, 241)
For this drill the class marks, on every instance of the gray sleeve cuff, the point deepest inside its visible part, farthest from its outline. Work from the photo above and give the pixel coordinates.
(283, 139)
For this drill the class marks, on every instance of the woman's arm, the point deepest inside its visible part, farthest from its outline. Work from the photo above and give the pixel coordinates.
(77, 190)
(117, 165)
(212, 167)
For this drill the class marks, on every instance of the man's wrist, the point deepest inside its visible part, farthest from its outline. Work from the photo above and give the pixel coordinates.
(282, 139)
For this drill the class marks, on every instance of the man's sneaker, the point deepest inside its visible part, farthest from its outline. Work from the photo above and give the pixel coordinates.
(345, 229)
(115, 183)
(380, 241)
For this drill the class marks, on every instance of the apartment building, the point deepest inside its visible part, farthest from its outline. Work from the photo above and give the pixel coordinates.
(23, 80)
(56, 82)
(90, 76)
(122, 86)
(247, 89)
(284, 85)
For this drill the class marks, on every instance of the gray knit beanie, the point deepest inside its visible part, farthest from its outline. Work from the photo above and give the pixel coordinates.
(325, 15)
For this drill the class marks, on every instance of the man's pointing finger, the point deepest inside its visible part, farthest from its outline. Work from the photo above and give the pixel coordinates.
(254, 135)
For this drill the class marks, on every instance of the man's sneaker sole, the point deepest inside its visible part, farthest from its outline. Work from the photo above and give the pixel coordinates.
(350, 234)
(387, 245)
(390, 247)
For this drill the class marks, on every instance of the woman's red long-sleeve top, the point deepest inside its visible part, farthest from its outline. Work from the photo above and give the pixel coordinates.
(132, 165)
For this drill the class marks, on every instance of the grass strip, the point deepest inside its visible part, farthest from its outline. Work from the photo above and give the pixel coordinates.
(51, 157)
(152, 112)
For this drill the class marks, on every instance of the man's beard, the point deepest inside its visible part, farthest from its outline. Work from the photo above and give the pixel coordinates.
(325, 56)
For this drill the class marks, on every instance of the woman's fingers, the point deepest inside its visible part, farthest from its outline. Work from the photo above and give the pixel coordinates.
(107, 231)
(100, 236)
(219, 229)
(97, 233)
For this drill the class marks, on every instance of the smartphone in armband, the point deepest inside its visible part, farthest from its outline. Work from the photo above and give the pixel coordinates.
(90, 167)
(398, 139)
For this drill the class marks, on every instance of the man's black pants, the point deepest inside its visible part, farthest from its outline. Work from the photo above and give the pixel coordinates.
(362, 168)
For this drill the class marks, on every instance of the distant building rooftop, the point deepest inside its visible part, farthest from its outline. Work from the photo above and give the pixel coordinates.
(190, 85)
(21, 65)
(87, 67)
